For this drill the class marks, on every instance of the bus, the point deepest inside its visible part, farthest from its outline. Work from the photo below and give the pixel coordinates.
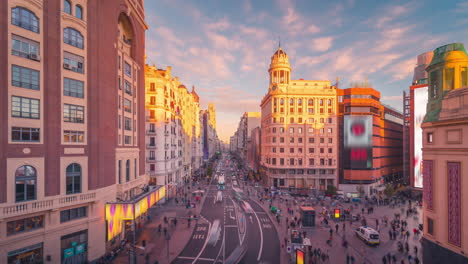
(221, 182)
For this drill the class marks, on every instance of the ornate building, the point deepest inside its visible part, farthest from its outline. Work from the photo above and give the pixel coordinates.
(445, 157)
(173, 129)
(299, 129)
(72, 138)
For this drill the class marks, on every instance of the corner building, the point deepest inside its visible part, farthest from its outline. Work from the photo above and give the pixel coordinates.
(72, 94)
(445, 158)
(299, 131)
(371, 141)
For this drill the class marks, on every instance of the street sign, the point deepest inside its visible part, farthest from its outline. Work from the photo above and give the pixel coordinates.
(306, 242)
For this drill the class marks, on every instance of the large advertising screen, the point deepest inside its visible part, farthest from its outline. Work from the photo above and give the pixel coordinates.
(358, 142)
(420, 102)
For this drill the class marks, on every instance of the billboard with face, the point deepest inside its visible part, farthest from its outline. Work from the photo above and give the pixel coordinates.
(358, 142)
(420, 102)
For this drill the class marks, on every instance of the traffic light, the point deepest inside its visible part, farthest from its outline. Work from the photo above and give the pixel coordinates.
(337, 213)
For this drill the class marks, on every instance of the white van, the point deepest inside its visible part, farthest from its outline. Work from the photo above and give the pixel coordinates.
(368, 235)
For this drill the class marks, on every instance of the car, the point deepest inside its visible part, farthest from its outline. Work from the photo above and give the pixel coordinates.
(369, 235)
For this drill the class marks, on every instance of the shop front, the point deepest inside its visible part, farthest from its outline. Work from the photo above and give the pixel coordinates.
(28, 255)
(74, 247)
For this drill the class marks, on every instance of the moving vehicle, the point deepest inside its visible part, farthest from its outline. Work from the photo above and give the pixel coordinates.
(214, 233)
(238, 194)
(219, 197)
(247, 208)
(369, 235)
(221, 182)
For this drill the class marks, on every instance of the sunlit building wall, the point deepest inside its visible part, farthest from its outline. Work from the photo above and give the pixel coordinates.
(299, 130)
(67, 145)
(173, 141)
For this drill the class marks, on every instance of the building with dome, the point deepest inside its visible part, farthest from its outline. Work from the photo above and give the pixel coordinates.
(299, 130)
(445, 158)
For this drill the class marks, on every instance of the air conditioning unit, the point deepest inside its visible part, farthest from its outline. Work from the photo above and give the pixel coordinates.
(34, 56)
(66, 66)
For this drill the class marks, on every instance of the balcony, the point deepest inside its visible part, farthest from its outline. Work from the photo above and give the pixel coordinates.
(150, 132)
(151, 146)
(43, 205)
(150, 159)
(150, 118)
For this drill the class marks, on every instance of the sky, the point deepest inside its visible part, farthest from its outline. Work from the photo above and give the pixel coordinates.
(224, 48)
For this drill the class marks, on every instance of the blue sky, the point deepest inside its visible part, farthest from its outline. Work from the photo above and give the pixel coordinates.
(224, 47)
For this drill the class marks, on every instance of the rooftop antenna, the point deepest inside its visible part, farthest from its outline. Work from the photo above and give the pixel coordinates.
(279, 41)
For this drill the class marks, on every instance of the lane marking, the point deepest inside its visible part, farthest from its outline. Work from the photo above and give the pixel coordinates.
(206, 259)
(204, 245)
(231, 226)
(261, 236)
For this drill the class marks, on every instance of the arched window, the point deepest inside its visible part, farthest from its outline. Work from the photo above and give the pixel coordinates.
(299, 101)
(291, 101)
(329, 102)
(24, 18)
(321, 102)
(67, 7)
(73, 37)
(127, 170)
(73, 178)
(311, 102)
(25, 180)
(281, 101)
(79, 11)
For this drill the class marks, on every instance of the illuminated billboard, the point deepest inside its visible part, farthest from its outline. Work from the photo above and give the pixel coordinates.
(420, 102)
(358, 141)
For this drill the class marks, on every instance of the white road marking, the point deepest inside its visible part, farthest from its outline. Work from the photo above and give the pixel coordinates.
(206, 259)
(231, 226)
(261, 237)
(204, 245)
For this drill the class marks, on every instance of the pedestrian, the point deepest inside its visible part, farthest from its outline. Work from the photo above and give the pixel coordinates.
(344, 226)
(347, 259)
(416, 250)
(331, 232)
(394, 258)
(416, 260)
(336, 228)
(384, 260)
(390, 234)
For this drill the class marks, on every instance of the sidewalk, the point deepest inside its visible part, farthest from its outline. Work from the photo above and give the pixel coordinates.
(157, 246)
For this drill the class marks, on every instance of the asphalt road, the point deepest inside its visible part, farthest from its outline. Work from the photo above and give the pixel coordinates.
(254, 229)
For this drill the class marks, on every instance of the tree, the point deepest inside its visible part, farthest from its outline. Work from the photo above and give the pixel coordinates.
(331, 190)
(389, 190)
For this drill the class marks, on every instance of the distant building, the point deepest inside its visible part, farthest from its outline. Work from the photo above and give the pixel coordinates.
(445, 158)
(248, 121)
(371, 141)
(299, 130)
(211, 142)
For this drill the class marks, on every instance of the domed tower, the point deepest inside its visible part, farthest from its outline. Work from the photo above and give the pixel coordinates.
(280, 71)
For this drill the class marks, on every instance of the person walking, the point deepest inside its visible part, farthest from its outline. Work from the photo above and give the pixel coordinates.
(336, 228)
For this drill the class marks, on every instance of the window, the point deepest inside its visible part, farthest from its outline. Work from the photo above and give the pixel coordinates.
(291, 110)
(311, 150)
(310, 130)
(449, 78)
(330, 140)
(25, 178)
(72, 214)
(79, 12)
(291, 161)
(310, 120)
(128, 124)
(273, 161)
(67, 7)
(24, 77)
(135, 168)
(330, 150)
(73, 37)
(321, 102)
(128, 69)
(25, 224)
(281, 101)
(299, 120)
(120, 172)
(281, 150)
(71, 136)
(281, 120)
(311, 140)
(73, 62)
(273, 149)
(291, 140)
(464, 76)
(299, 150)
(24, 107)
(329, 162)
(24, 47)
(274, 139)
(73, 178)
(430, 226)
(299, 140)
(281, 139)
(128, 140)
(127, 106)
(429, 137)
(281, 129)
(322, 120)
(330, 130)
(128, 87)
(321, 111)
(291, 120)
(322, 151)
(322, 130)
(291, 130)
(73, 88)
(274, 130)
(281, 161)
(291, 101)
(299, 130)
(24, 18)
(127, 170)
(329, 102)
(25, 134)
(330, 120)
(322, 162)
(310, 102)
(73, 113)
(291, 150)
